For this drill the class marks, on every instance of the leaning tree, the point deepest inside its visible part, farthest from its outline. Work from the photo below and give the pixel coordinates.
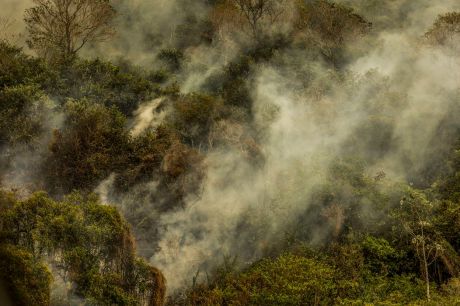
(58, 29)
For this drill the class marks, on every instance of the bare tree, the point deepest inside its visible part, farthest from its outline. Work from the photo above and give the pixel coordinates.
(58, 29)
(416, 214)
(259, 12)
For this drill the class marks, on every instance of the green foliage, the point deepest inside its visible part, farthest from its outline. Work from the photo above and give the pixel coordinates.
(16, 68)
(273, 283)
(146, 153)
(381, 257)
(87, 242)
(234, 86)
(396, 290)
(449, 185)
(347, 201)
(90, 145)
(328, 26)
(24, 107)
(161, 153)
(23, 113)
(286, 280)
(193, 116)
(308, 280)
(27, 280)
(105, 83)
(159, 76)
(172, 59)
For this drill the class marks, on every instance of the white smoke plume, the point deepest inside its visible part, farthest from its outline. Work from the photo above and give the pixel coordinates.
(245, 207)
(23, 174)
(144, 28)
(61, 292)
(149, 115)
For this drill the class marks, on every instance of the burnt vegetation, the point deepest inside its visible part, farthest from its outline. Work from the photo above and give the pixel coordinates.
(66, 129)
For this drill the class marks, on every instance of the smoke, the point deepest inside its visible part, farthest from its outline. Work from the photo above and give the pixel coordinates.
(205, 62)
(22, 173)
(62, 290)
(414, 17)
(388, 108)
(144, 28)
(12, 26)
(148, 115)
(245, 207)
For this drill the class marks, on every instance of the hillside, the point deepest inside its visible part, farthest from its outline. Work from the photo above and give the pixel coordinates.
(229, 152)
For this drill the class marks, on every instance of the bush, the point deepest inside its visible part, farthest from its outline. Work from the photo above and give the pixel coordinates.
(329, 26)
(16, 68)
(193, 116)
(26, 280)
(286, 280)
(172, 59)
(87, 242)
(23, 114)
(445, 29)
(91, 144)
(105, 83)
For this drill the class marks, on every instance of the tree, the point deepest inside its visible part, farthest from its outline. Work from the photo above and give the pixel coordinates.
(271, 282)
(58, 29)
(105, 83)
(88, 244)
(17, 68)
(22, 114)
(258, 12)
(193, 116)
(91, 144)
(329, 26)
(26, 280)
(444, 29)
(416, 216)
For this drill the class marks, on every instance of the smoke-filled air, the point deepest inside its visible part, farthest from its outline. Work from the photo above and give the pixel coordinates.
(229, 152)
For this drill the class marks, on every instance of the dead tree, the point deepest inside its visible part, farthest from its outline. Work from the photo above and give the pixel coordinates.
(259, 12)
(58, 29)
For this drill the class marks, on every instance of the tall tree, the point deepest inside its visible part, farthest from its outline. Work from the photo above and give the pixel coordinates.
(416, 214)
(329, 26)
(58, 29)
(259, 12)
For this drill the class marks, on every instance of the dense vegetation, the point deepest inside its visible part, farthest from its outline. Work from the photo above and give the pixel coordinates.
(372, 220)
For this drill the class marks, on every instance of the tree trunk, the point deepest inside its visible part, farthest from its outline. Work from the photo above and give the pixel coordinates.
(425, 265)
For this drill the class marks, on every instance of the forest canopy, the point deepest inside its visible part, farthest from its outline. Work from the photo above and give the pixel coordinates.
(230, 152)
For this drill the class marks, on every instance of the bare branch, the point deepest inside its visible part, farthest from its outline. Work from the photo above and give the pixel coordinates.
(58, 29)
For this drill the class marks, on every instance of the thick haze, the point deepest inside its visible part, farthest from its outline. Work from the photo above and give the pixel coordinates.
(12, 26)
(244, 207)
